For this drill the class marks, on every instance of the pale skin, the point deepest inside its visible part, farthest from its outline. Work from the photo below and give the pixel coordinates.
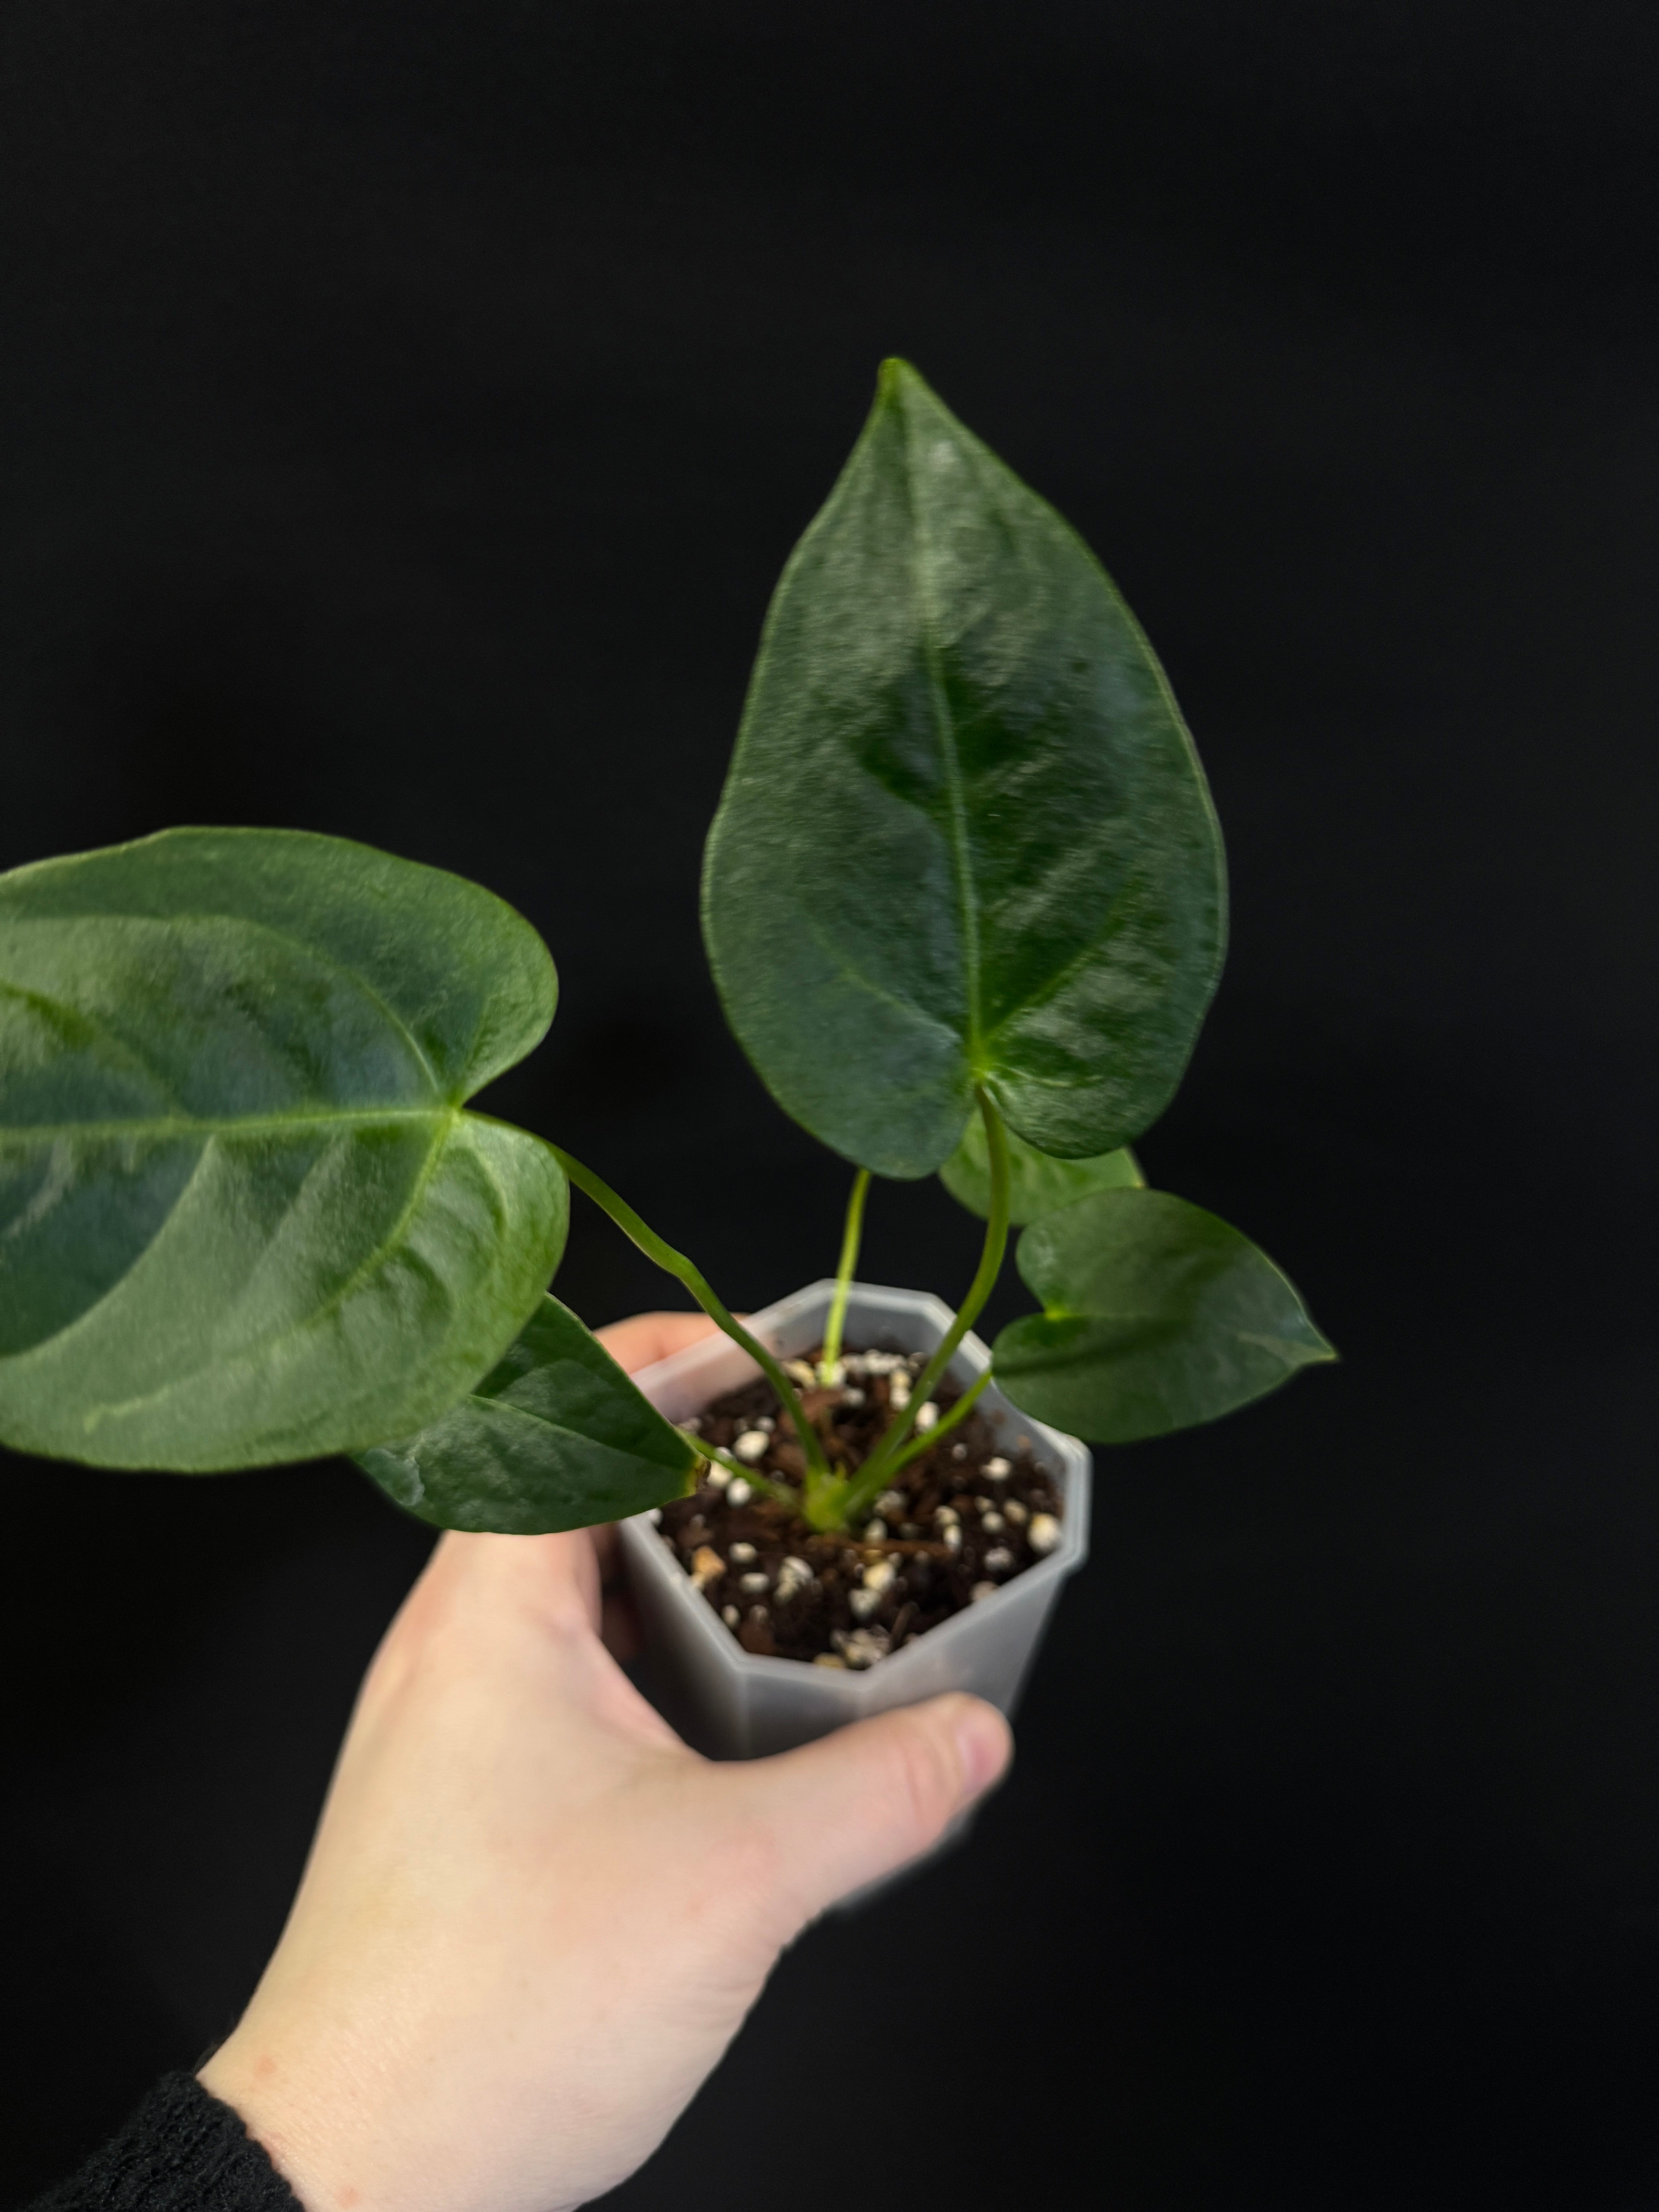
(532, 1920)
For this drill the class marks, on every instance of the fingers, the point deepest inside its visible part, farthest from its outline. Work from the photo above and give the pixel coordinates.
(637, 1342)
(853, 1806)
(525, 1616)
(647, 1337)
(481, 1573)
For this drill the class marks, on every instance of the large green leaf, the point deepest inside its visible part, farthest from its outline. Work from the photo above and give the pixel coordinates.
(1037, 1182)
(243, 1216)
(555, 1438)
(1156, 1316)
(964, 837)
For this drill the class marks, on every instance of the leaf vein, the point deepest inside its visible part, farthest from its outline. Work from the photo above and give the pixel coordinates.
(159, 1128)
(307, 1323)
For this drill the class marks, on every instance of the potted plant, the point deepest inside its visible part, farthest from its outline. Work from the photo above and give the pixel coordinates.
(964, 901)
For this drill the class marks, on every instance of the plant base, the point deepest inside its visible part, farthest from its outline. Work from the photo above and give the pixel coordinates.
(949, 1530)
(734, 1703)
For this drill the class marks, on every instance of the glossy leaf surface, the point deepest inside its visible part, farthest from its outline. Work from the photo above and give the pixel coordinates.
(243, 1216)
(964, 836)
(555, 1437)
(1156, 1315)
(1037, 1182)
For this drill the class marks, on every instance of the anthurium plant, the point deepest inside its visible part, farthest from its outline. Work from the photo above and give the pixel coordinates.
(965, 903)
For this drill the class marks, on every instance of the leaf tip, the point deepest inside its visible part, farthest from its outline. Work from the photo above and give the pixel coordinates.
(900, 384)
(1315, 1349)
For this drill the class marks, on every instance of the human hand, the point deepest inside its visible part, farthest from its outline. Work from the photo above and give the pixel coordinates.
(533, 1919)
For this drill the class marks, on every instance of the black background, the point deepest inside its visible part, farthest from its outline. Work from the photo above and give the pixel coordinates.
(406, 411)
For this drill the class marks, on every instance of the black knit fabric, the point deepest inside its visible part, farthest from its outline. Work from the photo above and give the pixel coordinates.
(182, 2151)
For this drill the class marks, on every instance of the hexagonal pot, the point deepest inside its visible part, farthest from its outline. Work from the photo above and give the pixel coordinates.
(732, 1704)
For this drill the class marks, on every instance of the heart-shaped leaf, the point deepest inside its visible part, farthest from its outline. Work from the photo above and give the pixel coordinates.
(556, 1437)
(243, 1216)
(1156, 1315)
(1037, 1182)
(964, 838)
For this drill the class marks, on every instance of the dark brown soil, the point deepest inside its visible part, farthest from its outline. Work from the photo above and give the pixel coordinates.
(955, 1528)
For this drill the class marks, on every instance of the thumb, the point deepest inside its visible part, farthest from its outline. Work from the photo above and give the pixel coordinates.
(854, 1806)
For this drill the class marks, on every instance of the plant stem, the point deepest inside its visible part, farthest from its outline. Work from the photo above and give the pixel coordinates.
(676, 1264)
(851, 1238)
(872, 1475)
(919, 1445)
(751, 1475)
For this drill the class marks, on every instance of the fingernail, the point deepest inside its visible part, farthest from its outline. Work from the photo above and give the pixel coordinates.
(983, 1746)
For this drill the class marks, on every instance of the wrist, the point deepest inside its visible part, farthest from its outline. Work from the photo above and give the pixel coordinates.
(311, 2129)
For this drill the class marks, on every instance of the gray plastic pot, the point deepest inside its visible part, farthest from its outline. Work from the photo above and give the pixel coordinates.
(732, 1705)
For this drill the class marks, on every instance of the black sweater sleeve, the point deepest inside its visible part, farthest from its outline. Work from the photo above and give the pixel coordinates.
(182, 2151)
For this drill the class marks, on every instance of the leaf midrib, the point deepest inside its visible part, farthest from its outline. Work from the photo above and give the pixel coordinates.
(505, 1407)
(945, 729)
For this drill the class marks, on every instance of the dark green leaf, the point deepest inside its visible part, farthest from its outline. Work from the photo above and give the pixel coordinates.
(1156, 1315)
(243, 1216)
(1037, 1182)
(555, 1438)
(965, 838)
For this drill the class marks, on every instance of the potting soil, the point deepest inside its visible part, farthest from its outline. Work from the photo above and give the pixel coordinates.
(957, 1524)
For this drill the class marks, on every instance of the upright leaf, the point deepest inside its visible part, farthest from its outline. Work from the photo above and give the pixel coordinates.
(243, 1216)
(556, 1437)
(1156, 1316)
(1037, 1182)
(964, 837)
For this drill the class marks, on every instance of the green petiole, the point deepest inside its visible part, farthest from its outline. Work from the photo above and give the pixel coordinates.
(852, 1237)
(829, 1499)
(751, 1475)
(883, 1460)
(674, 1263)
(866, 1491)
